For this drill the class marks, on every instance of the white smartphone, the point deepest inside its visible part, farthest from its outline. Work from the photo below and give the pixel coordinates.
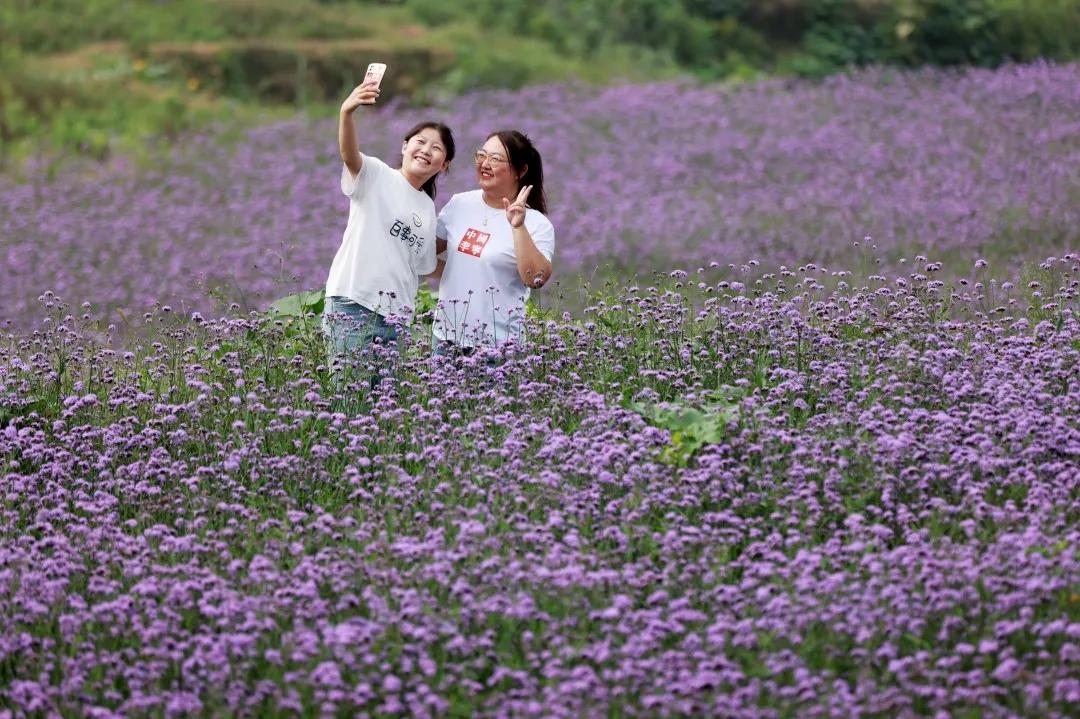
(375, 71)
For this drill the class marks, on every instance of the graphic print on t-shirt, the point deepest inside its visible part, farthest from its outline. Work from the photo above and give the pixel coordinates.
(473, 242)
(404, 233)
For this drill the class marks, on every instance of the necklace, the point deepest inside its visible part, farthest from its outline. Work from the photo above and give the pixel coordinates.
(487, 213)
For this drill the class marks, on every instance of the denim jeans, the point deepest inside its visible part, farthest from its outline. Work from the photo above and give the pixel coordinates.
(359, 341)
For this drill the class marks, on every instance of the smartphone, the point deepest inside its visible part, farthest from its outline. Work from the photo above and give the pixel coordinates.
(375, 71)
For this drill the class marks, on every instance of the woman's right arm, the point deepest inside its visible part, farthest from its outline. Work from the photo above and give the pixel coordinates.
(364, 94)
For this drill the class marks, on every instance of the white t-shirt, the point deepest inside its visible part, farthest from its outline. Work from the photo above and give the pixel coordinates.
(388, 242)
(481, 296)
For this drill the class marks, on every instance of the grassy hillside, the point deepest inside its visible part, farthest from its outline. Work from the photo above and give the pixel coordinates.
(97, 75)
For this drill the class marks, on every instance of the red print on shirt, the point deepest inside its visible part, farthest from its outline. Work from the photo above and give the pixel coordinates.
(473, 242)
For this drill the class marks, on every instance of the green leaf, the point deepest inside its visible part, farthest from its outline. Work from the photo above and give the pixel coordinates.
(691, 428)
(300, 304)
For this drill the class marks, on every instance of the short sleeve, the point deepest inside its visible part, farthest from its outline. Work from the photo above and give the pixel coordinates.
(425, 262)
(355, 187)
(444, 214)
(543, 235)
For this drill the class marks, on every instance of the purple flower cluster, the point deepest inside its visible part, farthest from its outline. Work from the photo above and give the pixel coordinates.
(884, 521)
(641, 177)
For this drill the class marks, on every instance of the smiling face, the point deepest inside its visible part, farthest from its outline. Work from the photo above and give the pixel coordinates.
(494, 173)
(423, 155)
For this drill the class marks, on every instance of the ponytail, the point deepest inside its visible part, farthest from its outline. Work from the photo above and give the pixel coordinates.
(525, 160)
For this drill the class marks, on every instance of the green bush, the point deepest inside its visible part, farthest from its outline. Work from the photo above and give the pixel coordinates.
(28, 96)
(284, 71)
(499, 63)
(948, 32)
(1031, 29)
(809, 37)
(88, 115)
(820, 36)
(580, 28)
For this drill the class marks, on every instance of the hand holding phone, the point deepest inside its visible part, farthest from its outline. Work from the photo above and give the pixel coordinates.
(375, 72)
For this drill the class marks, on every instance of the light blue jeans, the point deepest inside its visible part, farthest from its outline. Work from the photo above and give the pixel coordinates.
(357, 339)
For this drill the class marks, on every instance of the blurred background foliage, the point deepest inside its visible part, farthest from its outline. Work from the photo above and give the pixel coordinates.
(95, 76)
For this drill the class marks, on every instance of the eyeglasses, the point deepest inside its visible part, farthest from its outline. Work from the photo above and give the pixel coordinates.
(481, 157)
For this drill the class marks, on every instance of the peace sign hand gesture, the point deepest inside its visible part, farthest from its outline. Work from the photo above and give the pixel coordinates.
(515, 211)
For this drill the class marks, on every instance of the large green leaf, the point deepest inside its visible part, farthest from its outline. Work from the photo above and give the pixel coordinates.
(300, 304)
(691, 428)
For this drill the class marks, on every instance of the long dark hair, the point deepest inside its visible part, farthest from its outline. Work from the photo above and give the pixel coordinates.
(447, 137)
(525, 158)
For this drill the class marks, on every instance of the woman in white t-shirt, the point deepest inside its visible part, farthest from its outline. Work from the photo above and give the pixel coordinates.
(498, 244)
(389, 240)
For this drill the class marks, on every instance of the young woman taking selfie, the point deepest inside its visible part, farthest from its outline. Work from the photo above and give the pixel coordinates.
(389, 240)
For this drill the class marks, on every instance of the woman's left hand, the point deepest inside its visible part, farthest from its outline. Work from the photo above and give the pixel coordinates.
(515, 211)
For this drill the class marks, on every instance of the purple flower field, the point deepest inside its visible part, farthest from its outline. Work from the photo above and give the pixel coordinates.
(837, 479)
(698, 500)
(642, 178)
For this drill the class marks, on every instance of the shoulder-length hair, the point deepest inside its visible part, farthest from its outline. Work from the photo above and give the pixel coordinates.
(447, 137)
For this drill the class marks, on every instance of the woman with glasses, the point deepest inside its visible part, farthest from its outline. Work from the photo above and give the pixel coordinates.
(389, 240)
(498, 247)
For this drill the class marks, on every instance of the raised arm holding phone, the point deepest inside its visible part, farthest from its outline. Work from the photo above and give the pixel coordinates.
(365, 93)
